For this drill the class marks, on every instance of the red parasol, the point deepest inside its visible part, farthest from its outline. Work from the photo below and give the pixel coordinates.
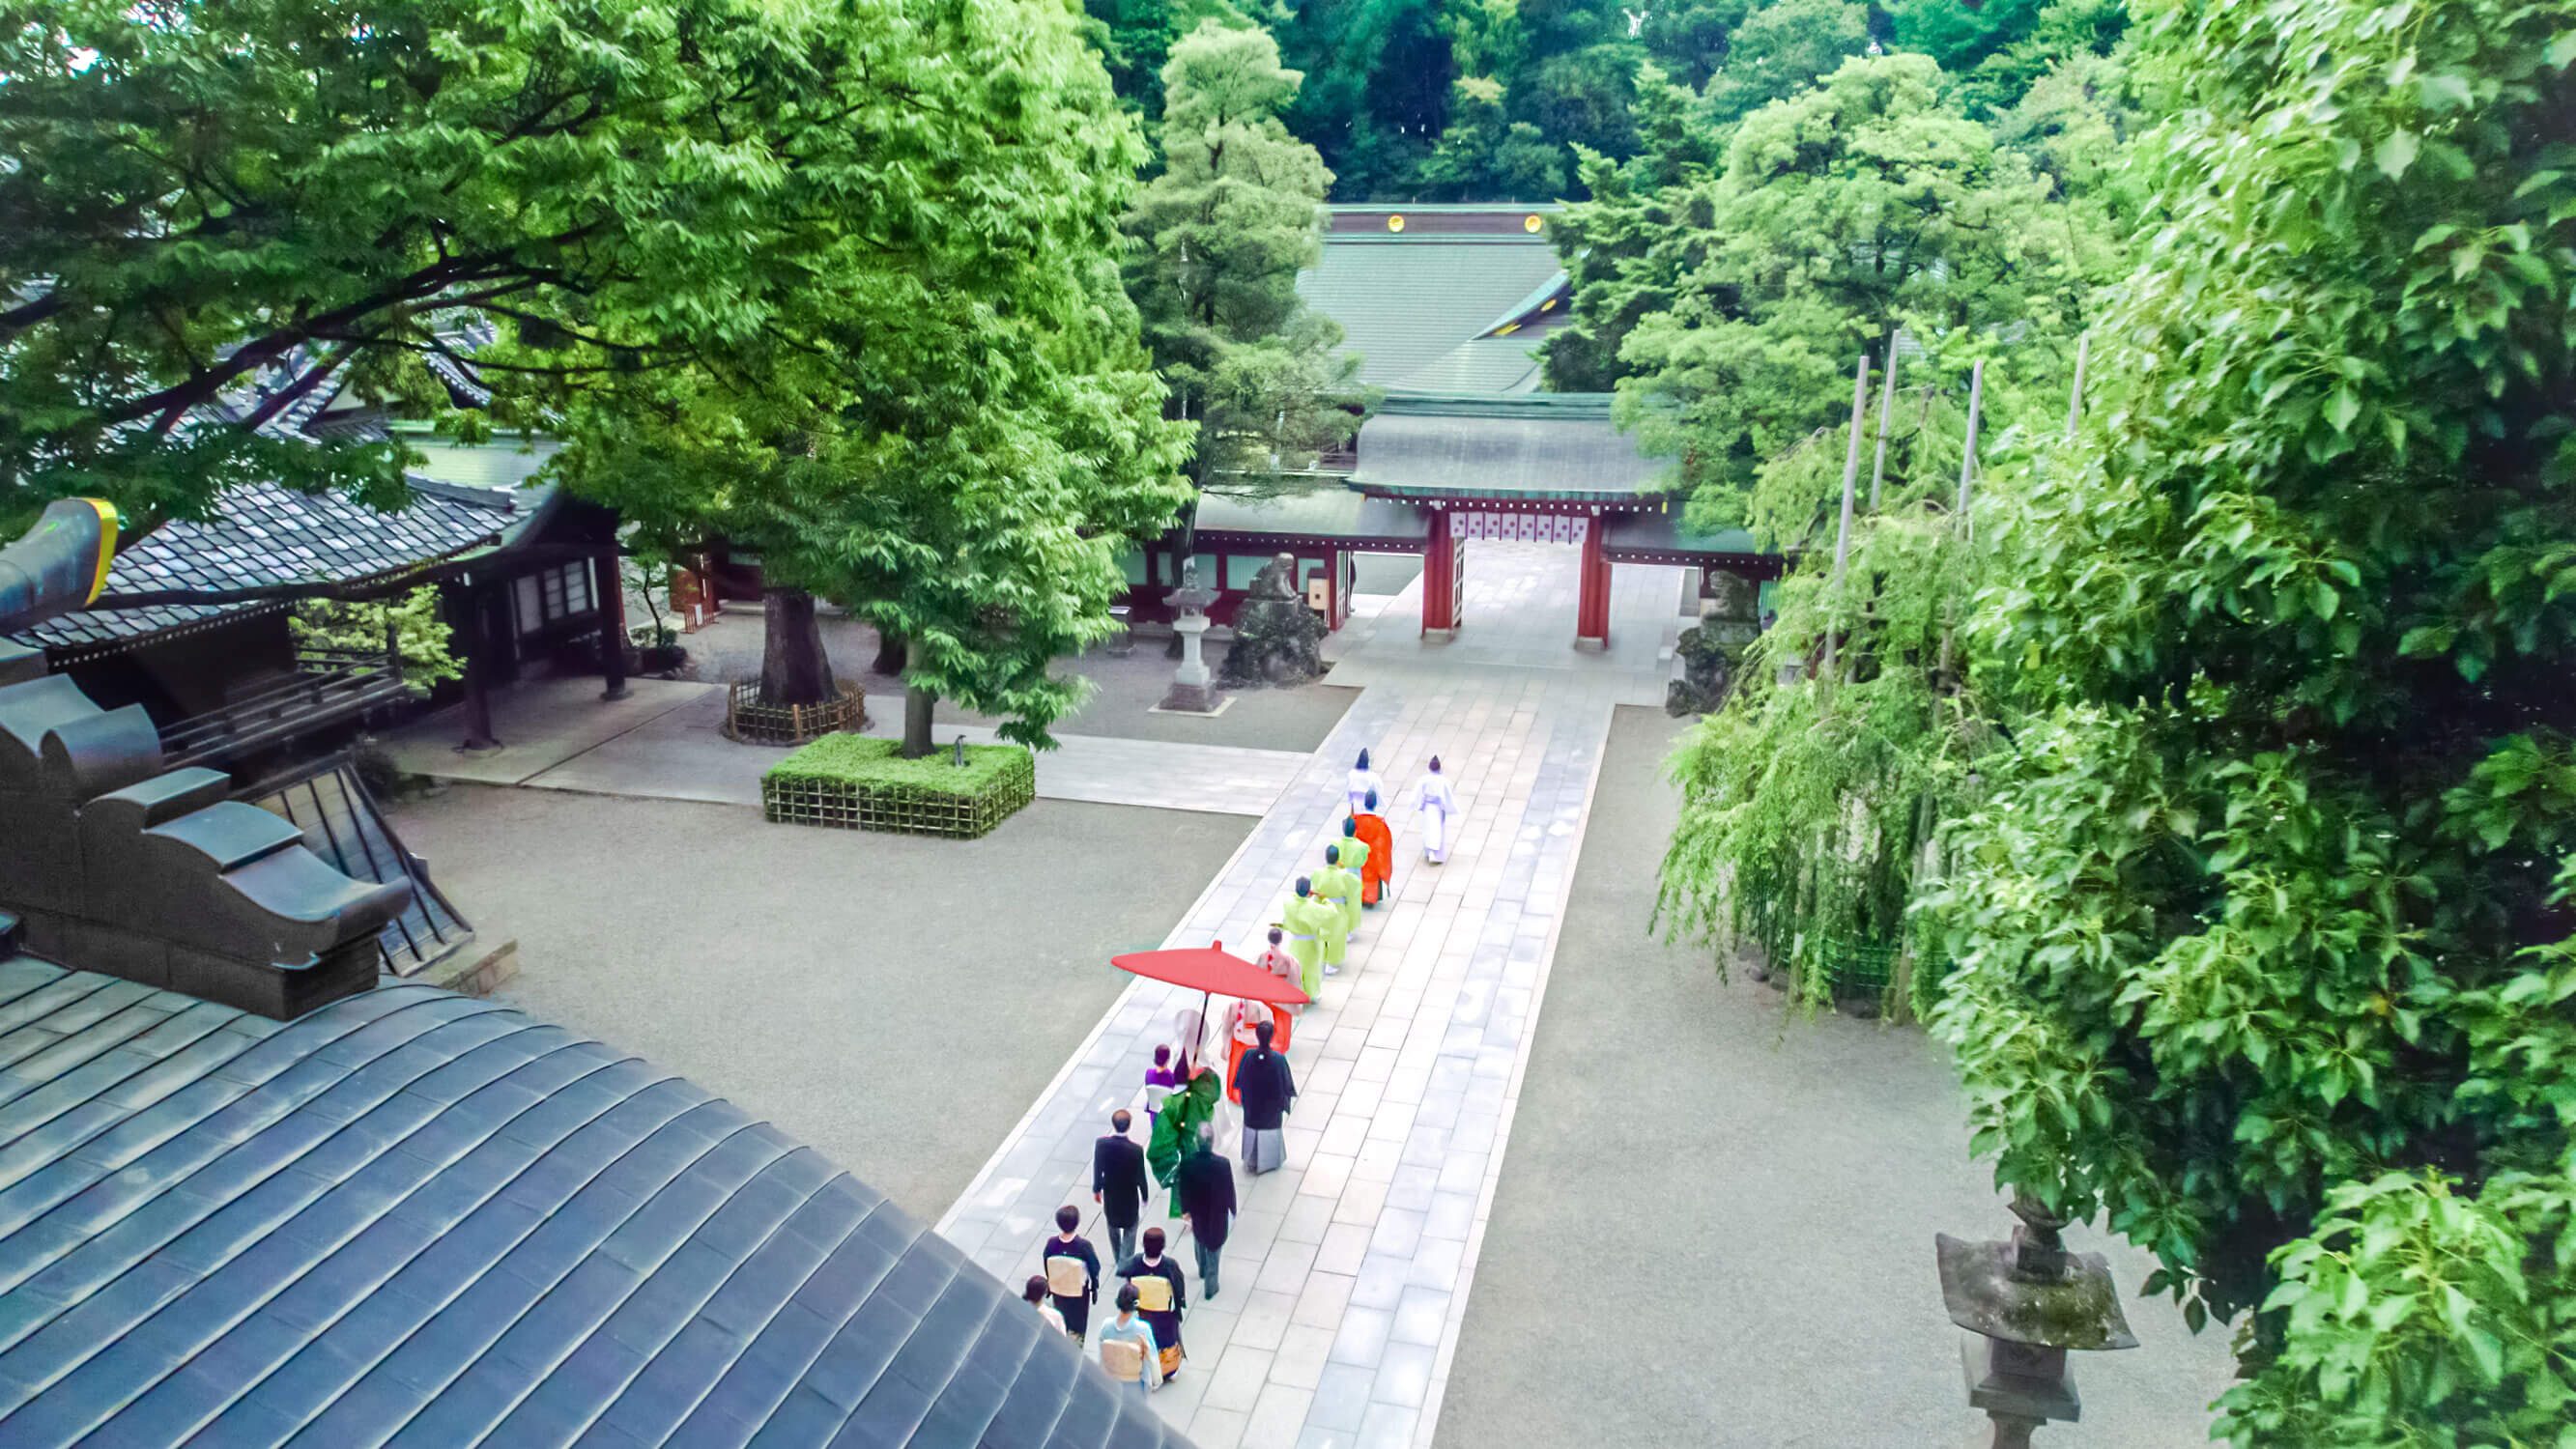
(1209, 969)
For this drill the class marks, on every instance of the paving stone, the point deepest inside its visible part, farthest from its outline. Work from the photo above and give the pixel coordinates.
(1359, 1246)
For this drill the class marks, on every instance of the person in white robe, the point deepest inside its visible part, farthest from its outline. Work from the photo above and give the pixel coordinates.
(1363, 780)
(1438, 806)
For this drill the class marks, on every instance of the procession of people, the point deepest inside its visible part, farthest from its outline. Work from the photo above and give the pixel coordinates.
(1242, 1061)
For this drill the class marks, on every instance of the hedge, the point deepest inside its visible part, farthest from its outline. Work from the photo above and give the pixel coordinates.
(858, 782)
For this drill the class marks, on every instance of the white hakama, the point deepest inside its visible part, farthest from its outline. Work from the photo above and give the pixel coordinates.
(1438, 805)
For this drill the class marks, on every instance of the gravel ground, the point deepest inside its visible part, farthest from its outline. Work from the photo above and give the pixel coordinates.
(1261, 719)
(1715, 1229)
(897, 1002)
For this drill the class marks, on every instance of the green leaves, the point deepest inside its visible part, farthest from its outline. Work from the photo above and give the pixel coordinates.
(2302, 577)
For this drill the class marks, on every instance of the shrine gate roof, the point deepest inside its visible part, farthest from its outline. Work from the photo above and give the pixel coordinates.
(1536, 447)
(1322, 513)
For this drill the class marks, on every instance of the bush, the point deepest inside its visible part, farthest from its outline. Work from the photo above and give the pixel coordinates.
(858, 782)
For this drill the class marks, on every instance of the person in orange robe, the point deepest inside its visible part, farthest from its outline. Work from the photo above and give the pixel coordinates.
(1378, 871)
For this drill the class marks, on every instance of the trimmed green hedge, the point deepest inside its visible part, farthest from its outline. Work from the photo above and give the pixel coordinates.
(857, 782)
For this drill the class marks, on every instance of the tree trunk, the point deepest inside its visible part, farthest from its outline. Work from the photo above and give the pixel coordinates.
(793, 667)
(891, 652)
(917, 705)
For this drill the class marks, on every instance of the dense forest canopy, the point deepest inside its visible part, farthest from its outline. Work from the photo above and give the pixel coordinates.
(1500, 100)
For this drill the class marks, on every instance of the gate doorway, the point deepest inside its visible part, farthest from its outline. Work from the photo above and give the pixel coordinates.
(1444, 573)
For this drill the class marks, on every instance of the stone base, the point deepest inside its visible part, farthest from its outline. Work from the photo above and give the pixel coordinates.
(1438, 636)
(1592, 646)
(1191, 699)
(1224, 702)
(468, 973)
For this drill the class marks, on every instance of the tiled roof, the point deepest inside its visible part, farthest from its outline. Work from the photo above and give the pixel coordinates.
(1327, 510)
(1536, 446)
(416, 1218)
(1494, 364)
(1404, 301)
(268, 535)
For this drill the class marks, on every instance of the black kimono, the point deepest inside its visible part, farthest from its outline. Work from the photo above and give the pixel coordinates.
(1076, 1307)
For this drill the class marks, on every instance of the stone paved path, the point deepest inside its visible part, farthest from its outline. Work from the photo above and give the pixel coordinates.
(1347, 1273)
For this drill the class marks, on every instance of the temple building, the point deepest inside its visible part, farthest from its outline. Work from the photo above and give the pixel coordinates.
(1446, 306)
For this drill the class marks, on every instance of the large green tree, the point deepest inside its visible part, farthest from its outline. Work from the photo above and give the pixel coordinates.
(944, 419)
(2264, 934)
(1843, 215)
(1220, 236)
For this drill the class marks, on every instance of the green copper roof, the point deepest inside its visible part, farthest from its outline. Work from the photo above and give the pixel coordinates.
(1405, 302)
(1661, 531)
(1324, 510)
(1555, 446)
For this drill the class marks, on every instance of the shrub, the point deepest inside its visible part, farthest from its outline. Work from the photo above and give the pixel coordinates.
(858, 782)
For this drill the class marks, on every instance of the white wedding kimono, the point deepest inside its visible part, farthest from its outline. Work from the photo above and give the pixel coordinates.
(1362, 784)
(1438, 805)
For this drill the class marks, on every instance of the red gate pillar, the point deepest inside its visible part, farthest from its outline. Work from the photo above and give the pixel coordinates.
(1592, 604)
(1440, 581)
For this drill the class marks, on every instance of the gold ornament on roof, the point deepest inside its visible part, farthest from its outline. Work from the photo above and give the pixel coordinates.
(1395, 223)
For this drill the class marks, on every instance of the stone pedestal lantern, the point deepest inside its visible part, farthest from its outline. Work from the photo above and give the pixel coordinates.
(1193, 688)
(2025, 1304)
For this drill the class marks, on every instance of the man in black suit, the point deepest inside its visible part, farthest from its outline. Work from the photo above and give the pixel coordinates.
(1119, 1185)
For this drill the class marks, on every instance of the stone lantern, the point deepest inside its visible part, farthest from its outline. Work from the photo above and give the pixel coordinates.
(2025, 1304)
(1193, 691)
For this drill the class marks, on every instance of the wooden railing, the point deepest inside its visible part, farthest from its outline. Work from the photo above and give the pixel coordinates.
(326, 687)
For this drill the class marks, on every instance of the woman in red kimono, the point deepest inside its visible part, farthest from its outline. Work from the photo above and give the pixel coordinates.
(1376, 872)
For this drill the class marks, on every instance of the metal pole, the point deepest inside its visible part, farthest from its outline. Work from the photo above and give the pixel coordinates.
(1886, 410)
(1851, 479)
(1968, 454)
(2075, 397)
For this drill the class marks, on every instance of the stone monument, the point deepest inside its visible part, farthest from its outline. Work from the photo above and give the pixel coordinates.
(1277, 638)
(1191, 692)
(1711, 649)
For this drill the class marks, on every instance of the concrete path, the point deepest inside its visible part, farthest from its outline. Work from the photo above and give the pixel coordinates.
(1347, 1274)
(666, 743)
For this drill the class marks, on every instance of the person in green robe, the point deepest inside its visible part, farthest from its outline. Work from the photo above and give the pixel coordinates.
(1355, 854)
(1188, 1109)
(1338, 891)
(1344, 856)
(1303, 919)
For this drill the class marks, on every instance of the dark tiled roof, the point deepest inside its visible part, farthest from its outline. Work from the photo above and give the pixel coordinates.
(271, 535)
(413, 1217)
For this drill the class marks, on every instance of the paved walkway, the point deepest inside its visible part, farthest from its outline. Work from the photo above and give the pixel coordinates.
(1347, 1273)
(665, 743)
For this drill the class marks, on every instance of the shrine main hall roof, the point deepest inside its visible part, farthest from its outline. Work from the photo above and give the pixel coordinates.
(412, 1217)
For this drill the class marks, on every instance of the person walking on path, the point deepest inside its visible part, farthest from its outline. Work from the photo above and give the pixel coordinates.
(1377, 870)
(1354, 857)
(1334, 888)
(1245, 1016)
(1438, 805)
(1160, 1079)
(1128, 1352)
(1279, 963)
(1266, 1087)
(1162, 1295)
(1306, 919)
(1072, 1272)
(1363, 780)
(1119, 1185)
(1035, 1295)
(1207, 1205)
